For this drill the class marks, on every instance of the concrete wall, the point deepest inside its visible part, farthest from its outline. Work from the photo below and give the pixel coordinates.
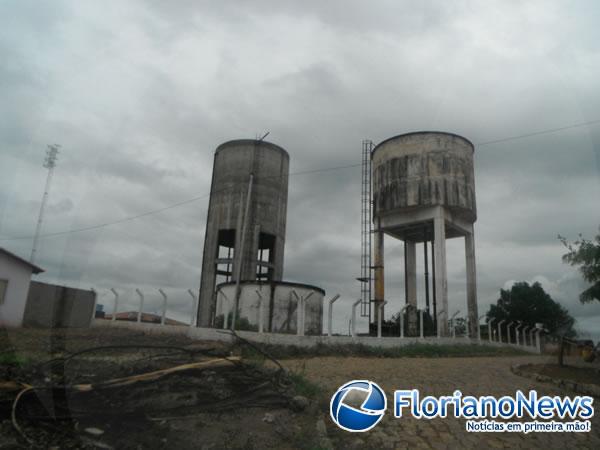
(212, 334)
(52, 306)
(280, 311)
(18, 276)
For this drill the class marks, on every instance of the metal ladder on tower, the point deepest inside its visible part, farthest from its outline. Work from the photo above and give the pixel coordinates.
(366, 278)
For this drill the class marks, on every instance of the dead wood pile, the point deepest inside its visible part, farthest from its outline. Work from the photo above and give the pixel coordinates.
(161, 383)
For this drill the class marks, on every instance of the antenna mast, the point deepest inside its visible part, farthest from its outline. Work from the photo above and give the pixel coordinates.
(49, 163)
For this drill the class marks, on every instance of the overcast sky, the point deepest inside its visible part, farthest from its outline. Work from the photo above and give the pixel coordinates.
(140, 93)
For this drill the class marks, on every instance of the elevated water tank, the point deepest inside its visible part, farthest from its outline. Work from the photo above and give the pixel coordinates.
(424, 169)
(424, 192)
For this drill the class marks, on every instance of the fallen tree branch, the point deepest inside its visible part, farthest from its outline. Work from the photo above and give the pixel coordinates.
(151, 376)
(11, 386)
(245, 386)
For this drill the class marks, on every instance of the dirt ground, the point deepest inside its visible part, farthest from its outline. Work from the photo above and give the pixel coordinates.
(589, 374)
(214, 408)
(182, 421)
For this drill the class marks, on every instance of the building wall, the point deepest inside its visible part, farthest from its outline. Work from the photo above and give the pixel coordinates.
(52, 306)
(18, 276)
(280, 305)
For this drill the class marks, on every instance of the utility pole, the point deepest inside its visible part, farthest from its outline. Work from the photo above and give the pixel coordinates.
(49, 163)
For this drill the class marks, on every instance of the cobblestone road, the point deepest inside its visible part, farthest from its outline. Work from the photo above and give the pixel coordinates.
(442, 376)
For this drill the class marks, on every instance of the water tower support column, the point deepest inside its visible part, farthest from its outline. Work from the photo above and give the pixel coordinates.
(471, 284)
(410, 261)
(378, 272)
(441, 281)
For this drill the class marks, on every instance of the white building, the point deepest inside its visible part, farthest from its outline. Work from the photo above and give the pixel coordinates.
(15, 276)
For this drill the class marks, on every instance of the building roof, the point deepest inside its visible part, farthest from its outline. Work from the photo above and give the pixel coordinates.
(247, 142)
(146, 317)
(35, 269)
(414, 133)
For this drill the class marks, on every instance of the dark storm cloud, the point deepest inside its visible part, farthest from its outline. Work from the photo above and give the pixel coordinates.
(140, 93)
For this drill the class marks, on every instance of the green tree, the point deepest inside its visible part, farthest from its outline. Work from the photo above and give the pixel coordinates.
(530, 305)
(586, 255)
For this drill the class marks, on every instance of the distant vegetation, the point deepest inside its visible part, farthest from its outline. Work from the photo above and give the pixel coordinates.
(530, 304)
(586, 255)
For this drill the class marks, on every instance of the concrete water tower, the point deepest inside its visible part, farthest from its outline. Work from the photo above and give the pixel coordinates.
(247, 210)
(424, 192)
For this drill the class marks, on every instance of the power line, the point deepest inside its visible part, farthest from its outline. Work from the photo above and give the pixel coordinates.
(156, 211)
(538, 133)
(102, 225)
(302, 172)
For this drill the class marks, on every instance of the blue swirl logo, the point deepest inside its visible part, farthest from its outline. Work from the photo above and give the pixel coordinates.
(358, 418)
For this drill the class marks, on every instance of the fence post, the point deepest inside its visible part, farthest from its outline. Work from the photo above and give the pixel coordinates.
(490, 329)
(525, 336)
(164, 307)
(194, 307)
(94, 305)
(139, 314)
(508, 331)
(519, 325)
(421, 327)
(225, 311)
(330, 317)
(116, 305)
(500, 330)
(354, 305)
(452, 323)
(479, 327)
(538, 342)
(401, 319)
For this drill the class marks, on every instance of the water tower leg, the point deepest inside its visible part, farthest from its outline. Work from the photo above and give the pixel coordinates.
(410, 254)
(411, 272)
(441, 281)
(473, 314)
(379, 275)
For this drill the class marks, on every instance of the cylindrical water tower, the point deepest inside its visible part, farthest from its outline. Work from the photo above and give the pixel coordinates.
(247, 209)
(278, 307)
(424, 191)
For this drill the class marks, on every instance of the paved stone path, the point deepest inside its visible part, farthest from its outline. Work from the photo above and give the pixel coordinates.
(442, 376)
